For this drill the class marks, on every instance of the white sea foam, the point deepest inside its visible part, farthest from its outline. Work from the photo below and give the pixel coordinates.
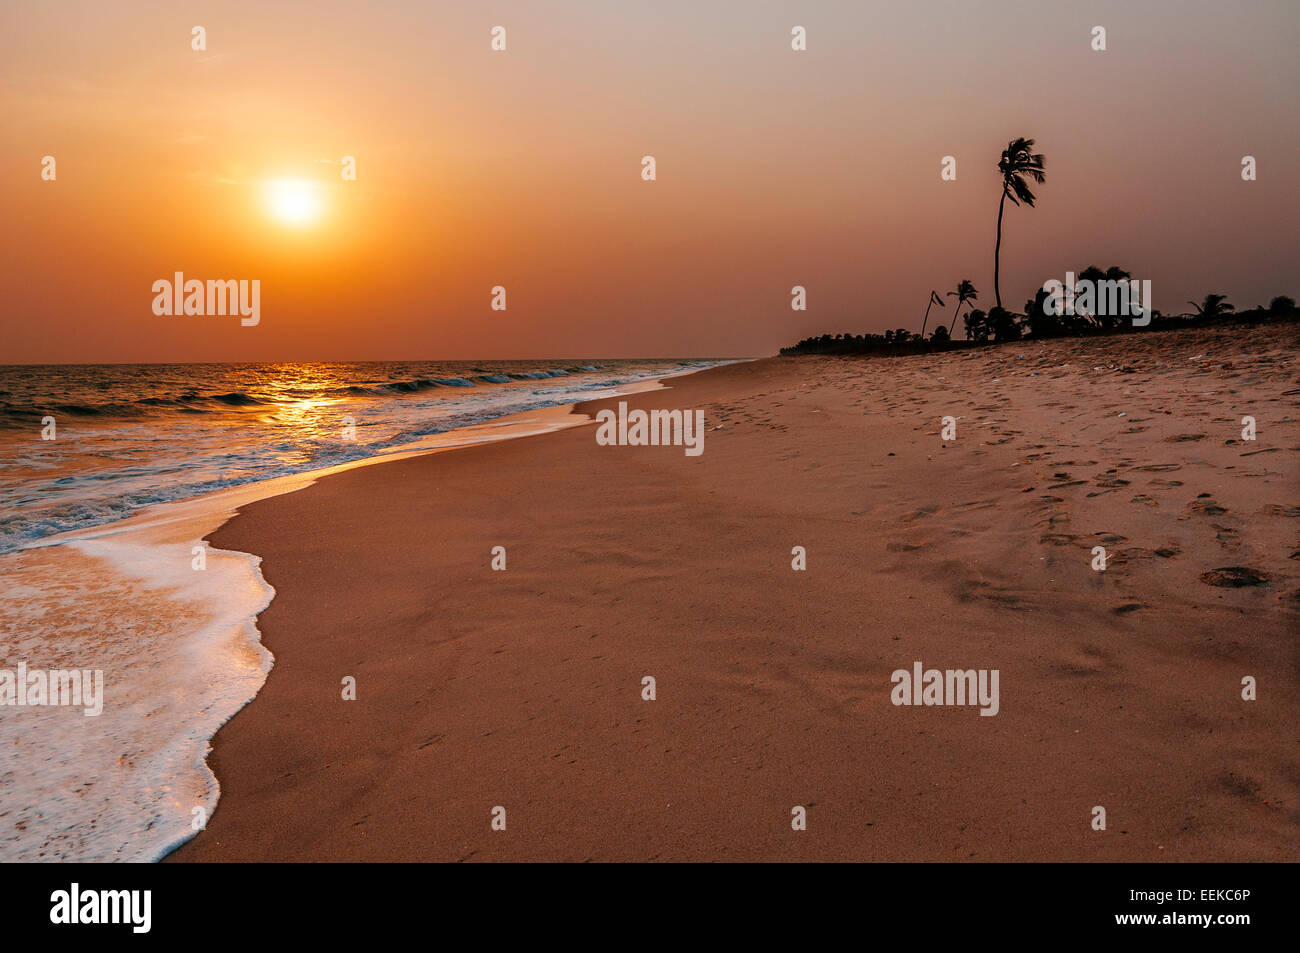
(180, 652)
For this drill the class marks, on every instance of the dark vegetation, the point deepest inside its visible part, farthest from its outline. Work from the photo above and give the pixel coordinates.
(1018, 167)
(1000, 325)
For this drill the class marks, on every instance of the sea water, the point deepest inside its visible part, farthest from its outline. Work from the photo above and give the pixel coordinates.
(101, 541)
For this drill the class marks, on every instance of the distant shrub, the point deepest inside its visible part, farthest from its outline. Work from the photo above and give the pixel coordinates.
(1214, 306)
(1003, 325)
(977, 326)
(1104, 319)
(1040, 323)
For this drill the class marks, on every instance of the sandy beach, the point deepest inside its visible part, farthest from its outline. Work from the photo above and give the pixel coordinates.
(522, 688)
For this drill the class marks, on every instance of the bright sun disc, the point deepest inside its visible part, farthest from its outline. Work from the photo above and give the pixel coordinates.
(294, 201)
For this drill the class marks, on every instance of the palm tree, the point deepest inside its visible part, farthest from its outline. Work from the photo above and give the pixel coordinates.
(934, 299)
(1213, 306)
(1096, 276)
(965, 293)
(1016, 165)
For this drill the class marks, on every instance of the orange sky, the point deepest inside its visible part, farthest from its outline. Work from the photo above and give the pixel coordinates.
(522, 169)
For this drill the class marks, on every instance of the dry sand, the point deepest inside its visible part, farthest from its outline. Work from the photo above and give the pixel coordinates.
(523, 688)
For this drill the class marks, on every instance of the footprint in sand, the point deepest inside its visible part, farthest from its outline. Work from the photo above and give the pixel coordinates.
(1134, 553)
(1238, 786)
(1206, 507)
(903, 547)
(1274, 509)
(1058, 539)
(1227, 537)
(1234, 577)
(922, 513)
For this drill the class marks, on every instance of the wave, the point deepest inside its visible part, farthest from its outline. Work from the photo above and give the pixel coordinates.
(173, 400)
(403, 387)
(427, 383)
(238, 399)
(115, 469)
(12, 415)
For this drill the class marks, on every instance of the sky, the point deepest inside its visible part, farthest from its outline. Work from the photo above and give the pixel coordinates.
(522, 168)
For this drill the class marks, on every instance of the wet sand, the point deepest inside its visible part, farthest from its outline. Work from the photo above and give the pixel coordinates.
(523, 689)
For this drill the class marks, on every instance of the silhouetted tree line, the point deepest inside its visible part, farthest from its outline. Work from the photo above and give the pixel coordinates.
(1018, 167)
(999, 325)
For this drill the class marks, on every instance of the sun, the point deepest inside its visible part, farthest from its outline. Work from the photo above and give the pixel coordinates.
(294, 201)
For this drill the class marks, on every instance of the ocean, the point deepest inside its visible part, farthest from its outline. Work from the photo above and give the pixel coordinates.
(129, 436)
(110, 478)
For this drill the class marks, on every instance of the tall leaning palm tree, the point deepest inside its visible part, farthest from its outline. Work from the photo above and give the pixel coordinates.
(965, 294)
(934, 299)
(1017, 164)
